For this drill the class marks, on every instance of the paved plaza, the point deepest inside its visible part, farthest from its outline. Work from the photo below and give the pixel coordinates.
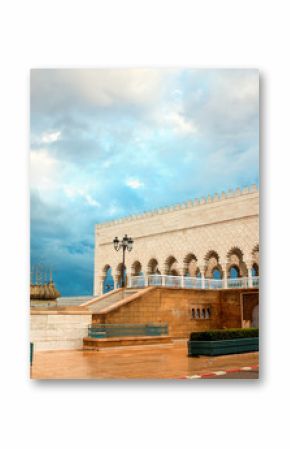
(142, 362)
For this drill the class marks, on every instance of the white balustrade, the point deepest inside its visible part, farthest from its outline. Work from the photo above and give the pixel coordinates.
(160, 280)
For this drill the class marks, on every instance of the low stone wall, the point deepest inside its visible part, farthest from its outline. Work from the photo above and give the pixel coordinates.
(175, 307)
(50, 330)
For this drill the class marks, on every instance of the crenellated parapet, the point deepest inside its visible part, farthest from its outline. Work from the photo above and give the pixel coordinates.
(189, 204)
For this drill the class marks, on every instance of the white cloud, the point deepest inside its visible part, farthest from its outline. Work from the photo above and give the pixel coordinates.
(134, 183)
(113, 210)
(44, 170)
(230, 107)
(50, 137)
(179, 124)
(100, 87)
(91, 201)
(74, 192)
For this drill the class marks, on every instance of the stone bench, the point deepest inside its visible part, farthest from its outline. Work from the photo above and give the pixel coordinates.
(96, 344)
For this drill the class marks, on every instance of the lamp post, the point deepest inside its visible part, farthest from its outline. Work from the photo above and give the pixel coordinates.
(125, 244)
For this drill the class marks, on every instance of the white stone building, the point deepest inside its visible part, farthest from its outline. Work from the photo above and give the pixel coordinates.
(208, 237)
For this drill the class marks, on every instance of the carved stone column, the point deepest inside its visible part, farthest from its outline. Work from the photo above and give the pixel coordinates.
(202, 279)
(182, 281)
(225, 275)
(116, 280)
(100, 284)
(250, 277)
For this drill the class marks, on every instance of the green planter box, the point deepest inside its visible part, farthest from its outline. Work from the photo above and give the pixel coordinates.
(31, 353)
(222, 347)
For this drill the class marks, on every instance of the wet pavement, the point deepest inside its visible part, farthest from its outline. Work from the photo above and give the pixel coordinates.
(142, 362)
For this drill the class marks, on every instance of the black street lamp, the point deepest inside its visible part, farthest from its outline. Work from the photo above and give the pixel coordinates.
(125, 244)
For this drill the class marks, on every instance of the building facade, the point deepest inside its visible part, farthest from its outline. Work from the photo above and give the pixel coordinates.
(214, 237)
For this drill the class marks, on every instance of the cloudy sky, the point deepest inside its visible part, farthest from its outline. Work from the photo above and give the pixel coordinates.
(107, 143)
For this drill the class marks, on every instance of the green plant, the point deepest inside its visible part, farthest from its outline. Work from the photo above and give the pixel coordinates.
(224, 334)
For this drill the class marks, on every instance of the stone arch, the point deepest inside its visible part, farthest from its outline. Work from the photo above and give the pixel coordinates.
(234, 272)
(256, 248)
(256, 255)
(212, 263)
(198, 273)
(255, 316)
(190, 265)
(255, 269)
(171, 266)
(235, 260)
(152, 267)
(250, 309)
(119, 275)
(217, 273)
(136, 268)
(108, 280)
(106, 268)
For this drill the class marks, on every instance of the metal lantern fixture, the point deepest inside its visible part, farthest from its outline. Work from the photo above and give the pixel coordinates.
(125, 244)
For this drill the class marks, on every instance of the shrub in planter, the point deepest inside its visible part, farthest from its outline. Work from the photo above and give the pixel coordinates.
(224, 334)
(224, 341)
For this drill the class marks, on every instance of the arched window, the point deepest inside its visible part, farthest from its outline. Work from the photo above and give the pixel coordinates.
(216, 274)
(171, 266)
(202, 316)
(193, 313)
(207, 313)
(136, 268)
(108, 283)
(235, 258)
(119, 272)
(152, 267)
(189, 265)
(211, 263)
(255, 270)
(197, 313)
(234, 272)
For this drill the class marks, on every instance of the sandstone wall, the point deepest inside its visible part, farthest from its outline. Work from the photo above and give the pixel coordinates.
(51, 330)
(214, 224)
(174, 306)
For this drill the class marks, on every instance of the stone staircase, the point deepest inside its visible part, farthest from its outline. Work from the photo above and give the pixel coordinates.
(109, 299)
(68, 301)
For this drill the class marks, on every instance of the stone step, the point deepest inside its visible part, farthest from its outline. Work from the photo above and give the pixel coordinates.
(99, 343)
(107, 301)
(67, 301)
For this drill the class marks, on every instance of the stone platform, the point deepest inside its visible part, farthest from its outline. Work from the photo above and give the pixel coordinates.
(138, 362)
(102, 343)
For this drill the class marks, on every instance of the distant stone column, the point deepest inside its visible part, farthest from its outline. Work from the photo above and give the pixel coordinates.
(100, 284)
(225, 275)
(182, 281)
(250, 277)
(116, 280)
(202, 279)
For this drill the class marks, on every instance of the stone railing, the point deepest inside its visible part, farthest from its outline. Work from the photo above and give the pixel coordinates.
(126, 330)
(160, 280)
